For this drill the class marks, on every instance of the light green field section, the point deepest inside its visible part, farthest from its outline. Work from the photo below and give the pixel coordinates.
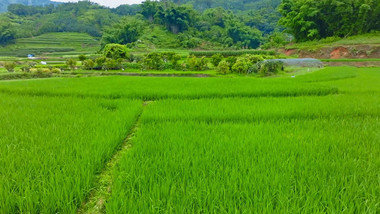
(52, 44)
(52, 148)
(308, 143)
(151, 88)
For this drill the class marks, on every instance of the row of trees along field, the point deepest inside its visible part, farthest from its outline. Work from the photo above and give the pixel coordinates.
(210, 24)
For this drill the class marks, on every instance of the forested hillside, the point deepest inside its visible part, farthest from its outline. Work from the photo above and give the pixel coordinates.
(5, 3)
(202, 24)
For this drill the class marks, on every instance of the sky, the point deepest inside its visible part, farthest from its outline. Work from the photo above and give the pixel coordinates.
(109, 3)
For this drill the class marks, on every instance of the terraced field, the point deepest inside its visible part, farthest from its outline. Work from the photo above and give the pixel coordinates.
(53, 44)
(192, 145)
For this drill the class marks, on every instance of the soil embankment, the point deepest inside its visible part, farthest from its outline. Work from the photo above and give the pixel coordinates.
(337, 52)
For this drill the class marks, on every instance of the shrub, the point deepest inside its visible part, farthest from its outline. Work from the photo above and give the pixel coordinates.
(99, 62)
(171, 57)
(231, 61)
(130, 65)
(216, 59)
(10, 66)
(116, 51)
(45, 70)
(223, 67)
(245, 64)
(34, 70)
(56, 70)
(269, 67)
(82, 57)
(196, 64)
(112, 64)
(71, 63)
(88, 64)
(231, 53)
(25, 69)
(153, 61)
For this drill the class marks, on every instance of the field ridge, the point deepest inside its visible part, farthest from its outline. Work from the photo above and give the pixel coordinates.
(95, 203)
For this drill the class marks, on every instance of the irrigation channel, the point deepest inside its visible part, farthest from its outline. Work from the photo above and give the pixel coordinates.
(95, 203)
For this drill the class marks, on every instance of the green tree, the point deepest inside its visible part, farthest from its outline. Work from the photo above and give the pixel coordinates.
(309, 19)
(71, 63)
(7, 34)
(128, 30)
(116, 51)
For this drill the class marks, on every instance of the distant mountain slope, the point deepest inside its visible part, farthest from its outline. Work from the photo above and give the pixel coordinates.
(5, 3)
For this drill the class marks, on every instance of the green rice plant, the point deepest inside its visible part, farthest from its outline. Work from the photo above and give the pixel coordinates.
(366, 80)
(263, 108)
(284, 166)
(152, 88)
(51, 149)
(330, 74)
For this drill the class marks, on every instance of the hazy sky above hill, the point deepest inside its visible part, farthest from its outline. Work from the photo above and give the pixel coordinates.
(109, 3)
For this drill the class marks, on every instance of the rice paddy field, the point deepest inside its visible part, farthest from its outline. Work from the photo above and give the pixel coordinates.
(309, 144)
(52, 44)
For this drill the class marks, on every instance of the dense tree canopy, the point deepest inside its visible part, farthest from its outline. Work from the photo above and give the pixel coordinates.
(310, 19)
(7, 35)
(204, 24)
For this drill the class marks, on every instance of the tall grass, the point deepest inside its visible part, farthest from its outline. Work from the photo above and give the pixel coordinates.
(52, 148)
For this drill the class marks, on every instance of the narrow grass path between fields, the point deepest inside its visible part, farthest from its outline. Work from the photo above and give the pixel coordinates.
(95, 203)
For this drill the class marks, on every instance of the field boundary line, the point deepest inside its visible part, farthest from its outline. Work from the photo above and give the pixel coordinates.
(95, 203)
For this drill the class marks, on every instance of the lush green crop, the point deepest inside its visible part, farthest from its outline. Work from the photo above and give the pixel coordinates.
(264, 108)
(150, 88)
(284, 166)
(203, 145)
(52, 148)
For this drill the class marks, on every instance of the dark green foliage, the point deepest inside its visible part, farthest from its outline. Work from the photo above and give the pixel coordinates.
(160, 61)
(244, 36)
(216, 59)
(116, 51)
(112, 64)
(231, 53)
(309, 20)
(82, 57)
(176, 18)
(127, 10)
(7, 34)
(10, 4)
(269, 67)
(99, 62)
(245, 64)
(128, 30)
(153, 61)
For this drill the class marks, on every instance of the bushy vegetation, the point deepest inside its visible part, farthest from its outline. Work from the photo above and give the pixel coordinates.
(310, 20)
(188, 27)
(231, 53)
